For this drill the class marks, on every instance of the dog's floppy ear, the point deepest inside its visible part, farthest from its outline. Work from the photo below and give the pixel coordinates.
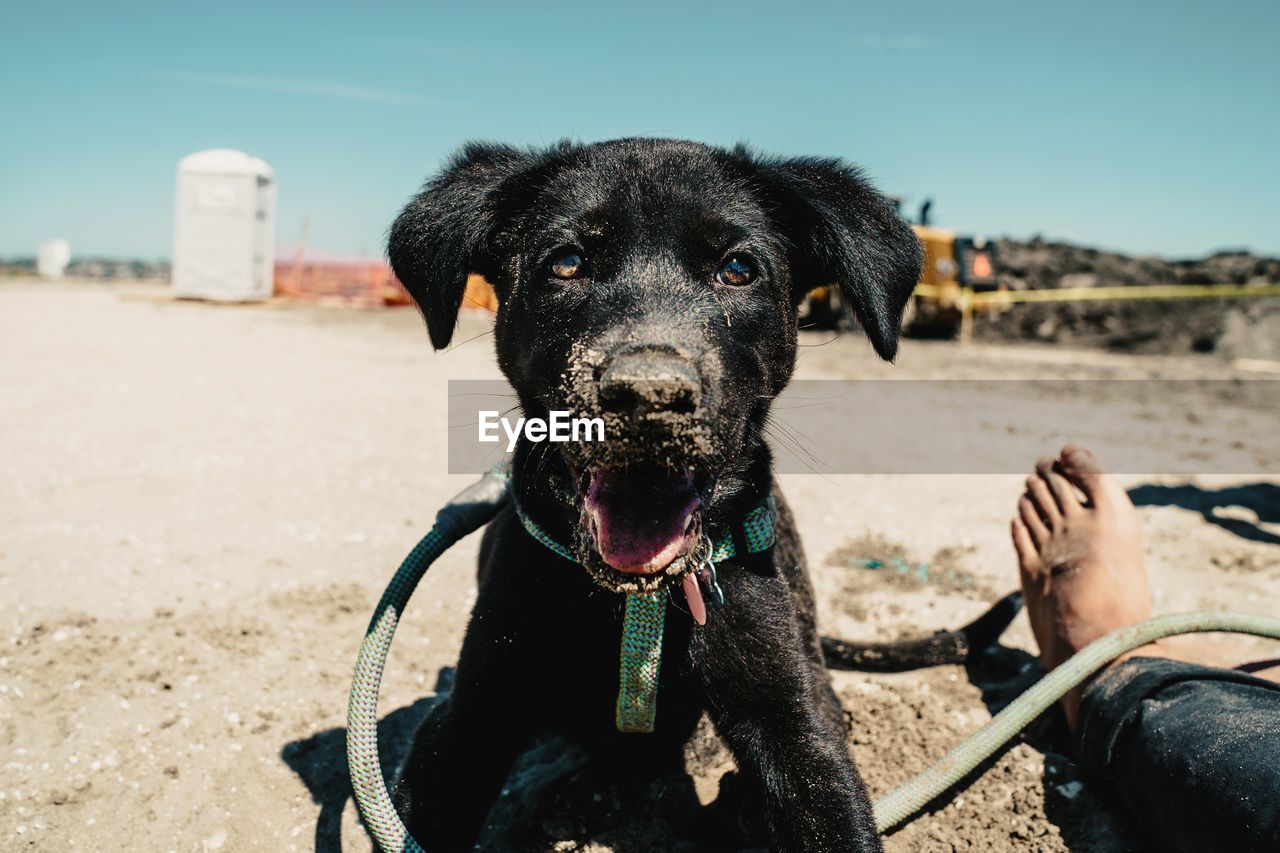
(843, 231)
(444, 233)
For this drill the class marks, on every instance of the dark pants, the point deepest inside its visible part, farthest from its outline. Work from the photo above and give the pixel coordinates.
(1193, 753)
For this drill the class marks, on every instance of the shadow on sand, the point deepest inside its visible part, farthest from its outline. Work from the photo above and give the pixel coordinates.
(321, 761)
(1262, 499)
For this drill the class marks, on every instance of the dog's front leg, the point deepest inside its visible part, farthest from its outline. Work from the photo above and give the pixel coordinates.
(762, 698)
(464, 749)
(452, 775)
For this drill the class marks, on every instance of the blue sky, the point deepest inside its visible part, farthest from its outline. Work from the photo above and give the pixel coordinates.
(1141, 126)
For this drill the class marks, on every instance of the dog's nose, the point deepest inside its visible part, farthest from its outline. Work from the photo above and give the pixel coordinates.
(648, 382)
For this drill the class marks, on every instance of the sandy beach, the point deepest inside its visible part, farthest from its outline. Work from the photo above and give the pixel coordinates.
(200, 505)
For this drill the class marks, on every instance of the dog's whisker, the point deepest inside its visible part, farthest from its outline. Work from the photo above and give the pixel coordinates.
(810, 460)
(542, 451)
(830, 340)
(542, 461)
(781, 432)
(794, 433)
(461, 344)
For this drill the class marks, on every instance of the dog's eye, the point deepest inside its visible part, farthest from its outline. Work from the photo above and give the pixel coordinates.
(568, 264)
(736, 271)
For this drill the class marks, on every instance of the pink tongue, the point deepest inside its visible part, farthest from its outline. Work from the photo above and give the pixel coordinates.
(693, 595)
(641, 521)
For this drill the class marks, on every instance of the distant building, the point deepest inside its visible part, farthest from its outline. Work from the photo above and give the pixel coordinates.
(224, 226)
(53, 257)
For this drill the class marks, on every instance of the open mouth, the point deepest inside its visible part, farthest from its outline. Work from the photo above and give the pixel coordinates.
(641, 524)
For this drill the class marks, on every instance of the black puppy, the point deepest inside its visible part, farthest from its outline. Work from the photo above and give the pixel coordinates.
(654, 284)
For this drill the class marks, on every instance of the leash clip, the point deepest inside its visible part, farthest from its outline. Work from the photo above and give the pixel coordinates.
(707, 576)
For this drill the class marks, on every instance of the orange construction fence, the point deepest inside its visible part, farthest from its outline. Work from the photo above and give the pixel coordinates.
(361, 283)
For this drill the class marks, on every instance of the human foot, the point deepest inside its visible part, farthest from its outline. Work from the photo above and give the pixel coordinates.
(1079, 547)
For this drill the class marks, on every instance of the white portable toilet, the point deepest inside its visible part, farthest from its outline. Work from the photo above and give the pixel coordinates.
(224, 227)
(52, 258)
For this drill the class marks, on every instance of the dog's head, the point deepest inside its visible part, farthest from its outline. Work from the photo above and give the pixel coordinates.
(654, 284)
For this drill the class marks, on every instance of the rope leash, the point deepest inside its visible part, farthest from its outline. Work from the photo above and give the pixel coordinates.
(904, 801)
(479, 503)
(362, 706)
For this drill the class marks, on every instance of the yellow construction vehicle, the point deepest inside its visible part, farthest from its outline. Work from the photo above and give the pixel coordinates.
(954, 267)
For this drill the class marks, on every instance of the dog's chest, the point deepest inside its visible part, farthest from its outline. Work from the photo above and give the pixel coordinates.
(589, 670)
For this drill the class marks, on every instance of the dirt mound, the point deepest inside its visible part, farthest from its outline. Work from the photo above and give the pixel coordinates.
(1233, 327)
(1040, 264)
